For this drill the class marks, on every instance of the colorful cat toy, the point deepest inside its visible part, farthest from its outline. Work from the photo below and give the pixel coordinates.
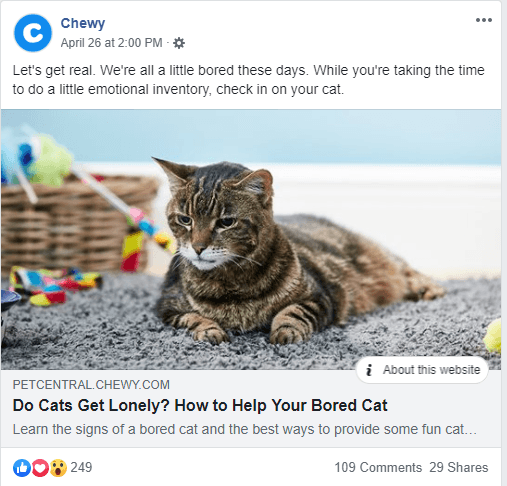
(44, 287)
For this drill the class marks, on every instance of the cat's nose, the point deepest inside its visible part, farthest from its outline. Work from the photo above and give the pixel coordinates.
(199, 247)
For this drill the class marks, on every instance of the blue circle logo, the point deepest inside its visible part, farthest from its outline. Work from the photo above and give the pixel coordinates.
(32, 33)
(22, 468)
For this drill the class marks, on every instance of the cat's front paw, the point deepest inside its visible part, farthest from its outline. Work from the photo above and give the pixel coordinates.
(214, 335)
(203, 329)
(294, 324)
(286, 333)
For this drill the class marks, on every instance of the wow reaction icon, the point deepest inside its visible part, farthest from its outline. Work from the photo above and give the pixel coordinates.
(58, 468)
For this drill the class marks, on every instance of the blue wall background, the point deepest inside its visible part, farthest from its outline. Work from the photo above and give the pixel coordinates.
(439, 137)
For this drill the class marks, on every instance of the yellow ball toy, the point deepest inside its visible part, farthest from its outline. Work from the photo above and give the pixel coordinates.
(493, 338)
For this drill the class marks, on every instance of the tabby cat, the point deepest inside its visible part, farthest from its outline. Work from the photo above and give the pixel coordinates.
(237, 268)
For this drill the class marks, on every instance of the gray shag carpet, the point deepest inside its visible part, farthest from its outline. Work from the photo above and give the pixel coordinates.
(116, 328)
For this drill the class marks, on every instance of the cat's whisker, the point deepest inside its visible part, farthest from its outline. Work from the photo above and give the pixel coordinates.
(234, 255)
(237, 264)
(179, 263)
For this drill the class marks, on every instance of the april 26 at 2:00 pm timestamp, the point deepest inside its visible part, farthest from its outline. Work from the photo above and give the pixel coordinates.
(119, 42)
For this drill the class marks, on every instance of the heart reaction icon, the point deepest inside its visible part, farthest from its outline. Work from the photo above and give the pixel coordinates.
(40, 468)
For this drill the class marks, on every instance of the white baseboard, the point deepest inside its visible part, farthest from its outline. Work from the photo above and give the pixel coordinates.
(444, 220)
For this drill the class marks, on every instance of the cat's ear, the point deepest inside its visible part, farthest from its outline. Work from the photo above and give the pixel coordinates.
(178, 174)
(259, 182)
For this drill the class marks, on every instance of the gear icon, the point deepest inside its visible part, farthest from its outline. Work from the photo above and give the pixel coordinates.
(179, 43)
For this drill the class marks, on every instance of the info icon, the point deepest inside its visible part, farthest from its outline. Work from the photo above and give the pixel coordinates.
(21, 468)
(40, 468)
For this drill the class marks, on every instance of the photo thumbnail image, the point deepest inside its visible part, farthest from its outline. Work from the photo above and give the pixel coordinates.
(248, 239)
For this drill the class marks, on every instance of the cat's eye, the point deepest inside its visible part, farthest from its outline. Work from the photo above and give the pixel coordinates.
(185, 220)
(226, 222)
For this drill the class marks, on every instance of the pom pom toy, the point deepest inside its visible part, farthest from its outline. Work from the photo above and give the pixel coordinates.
(30, 156)
(52, 162)
(16, 159)
(493, 338)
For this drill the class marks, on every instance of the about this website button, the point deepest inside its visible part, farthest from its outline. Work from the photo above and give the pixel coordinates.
(423, 369)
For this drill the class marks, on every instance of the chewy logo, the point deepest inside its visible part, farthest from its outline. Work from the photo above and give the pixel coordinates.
(32, 33)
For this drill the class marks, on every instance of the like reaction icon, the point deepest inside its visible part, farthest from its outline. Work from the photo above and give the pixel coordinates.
(21, 468)
(40, 468)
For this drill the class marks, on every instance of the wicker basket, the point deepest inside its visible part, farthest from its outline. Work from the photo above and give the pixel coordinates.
(71, 225)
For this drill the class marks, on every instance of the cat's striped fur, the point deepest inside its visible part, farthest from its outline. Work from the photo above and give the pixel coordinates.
(238, 269)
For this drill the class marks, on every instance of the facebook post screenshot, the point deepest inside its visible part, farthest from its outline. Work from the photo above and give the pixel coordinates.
(251, 242)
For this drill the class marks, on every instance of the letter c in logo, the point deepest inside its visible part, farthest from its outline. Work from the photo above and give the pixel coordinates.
(27, 33)
(32, 33)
